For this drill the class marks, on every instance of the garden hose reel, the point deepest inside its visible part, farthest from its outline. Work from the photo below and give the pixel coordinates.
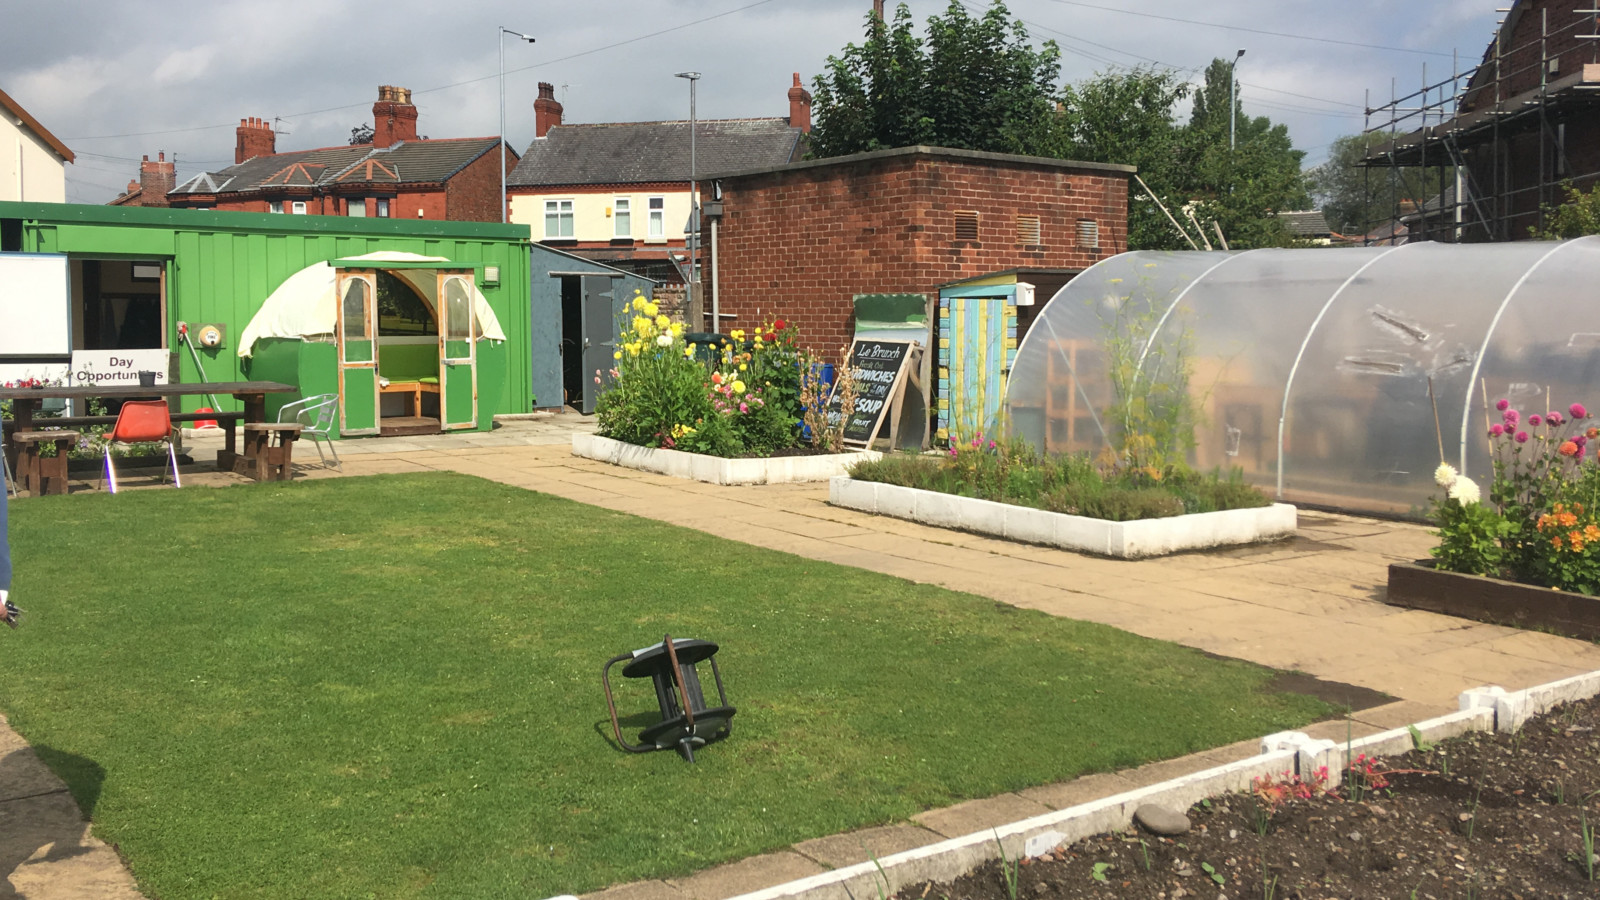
(686, 721)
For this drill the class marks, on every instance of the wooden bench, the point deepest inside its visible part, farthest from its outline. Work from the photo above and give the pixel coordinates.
(37, 474)
(228, 458)
(271, 461)
(415, 389)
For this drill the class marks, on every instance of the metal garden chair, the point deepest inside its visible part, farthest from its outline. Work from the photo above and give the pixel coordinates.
(315, 417)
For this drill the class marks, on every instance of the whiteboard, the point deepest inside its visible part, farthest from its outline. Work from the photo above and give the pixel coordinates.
(35, 316)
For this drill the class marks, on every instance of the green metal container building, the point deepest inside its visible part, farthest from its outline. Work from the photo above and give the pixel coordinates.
(420, 311)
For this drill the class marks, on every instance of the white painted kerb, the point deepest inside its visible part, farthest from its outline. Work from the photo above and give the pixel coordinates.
(715, 469)
(1126, 540)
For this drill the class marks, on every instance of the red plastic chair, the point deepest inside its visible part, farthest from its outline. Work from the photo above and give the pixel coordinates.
(140, 422)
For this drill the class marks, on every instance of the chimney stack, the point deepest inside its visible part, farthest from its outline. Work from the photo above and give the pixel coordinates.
(546, 110)
(254, 138)
(156, 179)
(799, 106)
(877, 9)
(394, 119)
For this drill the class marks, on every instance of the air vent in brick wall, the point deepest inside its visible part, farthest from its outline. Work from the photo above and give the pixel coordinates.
(1028, 230)
(966, 225)
(1088, 234)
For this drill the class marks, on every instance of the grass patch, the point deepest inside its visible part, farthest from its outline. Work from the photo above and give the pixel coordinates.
(389, 686)
(1070, 483)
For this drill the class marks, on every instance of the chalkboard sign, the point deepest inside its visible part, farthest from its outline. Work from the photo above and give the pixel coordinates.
(878, 368)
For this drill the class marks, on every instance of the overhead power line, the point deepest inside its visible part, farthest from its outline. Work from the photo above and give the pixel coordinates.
(1281, 34)
(445, 87)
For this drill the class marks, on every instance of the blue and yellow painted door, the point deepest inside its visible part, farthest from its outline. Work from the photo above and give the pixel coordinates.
(977, 347)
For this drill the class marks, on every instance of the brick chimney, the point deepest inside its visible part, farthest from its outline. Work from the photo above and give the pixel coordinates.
(156, 179)
(799, 106)
(546, 110)
(877, 9)
(254, 138)
(394, 119)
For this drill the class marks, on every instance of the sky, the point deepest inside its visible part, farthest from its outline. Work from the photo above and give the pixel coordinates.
(117, 80)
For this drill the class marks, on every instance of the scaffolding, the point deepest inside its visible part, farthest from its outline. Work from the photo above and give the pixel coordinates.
(1493, 139)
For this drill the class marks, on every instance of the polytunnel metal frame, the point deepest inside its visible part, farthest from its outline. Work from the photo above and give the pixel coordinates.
(1044, 329)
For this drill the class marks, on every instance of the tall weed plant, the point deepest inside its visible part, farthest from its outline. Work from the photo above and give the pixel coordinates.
(1153, 413)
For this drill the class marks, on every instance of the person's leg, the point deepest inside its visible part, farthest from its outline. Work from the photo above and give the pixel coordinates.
(8, 610)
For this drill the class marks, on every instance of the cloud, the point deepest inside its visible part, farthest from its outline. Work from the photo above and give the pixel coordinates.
(184, 66)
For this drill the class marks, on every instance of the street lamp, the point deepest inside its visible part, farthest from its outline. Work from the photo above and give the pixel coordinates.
(1233, 102)
(502, 39)
(694, 195)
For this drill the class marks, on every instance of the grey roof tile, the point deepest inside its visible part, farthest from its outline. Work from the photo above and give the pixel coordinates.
(409, 162)
(634, 152)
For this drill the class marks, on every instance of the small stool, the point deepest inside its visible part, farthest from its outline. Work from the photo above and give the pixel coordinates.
(271, 460)
(39, 475)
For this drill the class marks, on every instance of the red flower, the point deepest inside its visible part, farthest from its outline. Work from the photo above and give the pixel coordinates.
(779, 325)
(769, 337)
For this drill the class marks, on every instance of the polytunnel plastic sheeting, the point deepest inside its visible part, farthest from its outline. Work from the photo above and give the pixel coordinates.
(1326, 353)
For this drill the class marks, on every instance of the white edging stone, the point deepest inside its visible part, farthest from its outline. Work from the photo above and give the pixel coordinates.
(1482, 709)
(715, 469)
(1126, 540)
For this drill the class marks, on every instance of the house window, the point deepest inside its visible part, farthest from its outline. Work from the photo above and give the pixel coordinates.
(558, 218)
(966, 225)
(658, 217)
(383, 209)
(275, 206)
(622, 220)
(1028, 230)
(356, 206)
(299, 207)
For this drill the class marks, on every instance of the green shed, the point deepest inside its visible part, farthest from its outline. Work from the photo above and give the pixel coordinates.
(418, 326)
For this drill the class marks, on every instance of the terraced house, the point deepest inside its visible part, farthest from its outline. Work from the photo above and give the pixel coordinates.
(396, 175)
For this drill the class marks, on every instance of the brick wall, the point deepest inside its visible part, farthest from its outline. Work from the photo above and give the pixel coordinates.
(473, 195)
(800, 243)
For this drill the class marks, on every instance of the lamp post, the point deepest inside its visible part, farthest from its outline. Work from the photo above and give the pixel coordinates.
(502, 40)
(694, 195)
(1233, 102)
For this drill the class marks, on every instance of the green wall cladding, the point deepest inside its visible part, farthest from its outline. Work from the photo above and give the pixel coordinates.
(222, 266)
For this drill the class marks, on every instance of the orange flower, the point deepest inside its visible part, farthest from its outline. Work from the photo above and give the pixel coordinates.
(1555, 542)
(1592, 433)
(1568, 448)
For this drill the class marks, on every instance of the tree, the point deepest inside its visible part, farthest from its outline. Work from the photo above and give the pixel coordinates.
(975, 84)
(1356, 199)
(1577, 217)
(1131, 117)
(361, 134)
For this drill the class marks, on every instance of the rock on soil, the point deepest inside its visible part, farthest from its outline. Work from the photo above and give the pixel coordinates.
(1161, 820)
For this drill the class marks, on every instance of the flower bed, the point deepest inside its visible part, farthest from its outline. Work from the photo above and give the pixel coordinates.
(1496, 601)
(1134, 539)
(1482, 815)
(714, 469)
(1538, 528)
(739, 395)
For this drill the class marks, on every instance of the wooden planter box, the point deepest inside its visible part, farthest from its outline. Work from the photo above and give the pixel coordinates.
(1420, 586)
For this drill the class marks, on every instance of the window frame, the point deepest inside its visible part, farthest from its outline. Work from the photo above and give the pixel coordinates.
(621, 207)
(297, 207)
(568, 216)
(353, 203)
(657, 216)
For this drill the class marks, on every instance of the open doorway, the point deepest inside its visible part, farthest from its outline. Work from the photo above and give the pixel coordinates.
(408, 359)
(588, 336)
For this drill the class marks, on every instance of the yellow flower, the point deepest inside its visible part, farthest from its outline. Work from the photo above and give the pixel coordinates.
(651, 309)
(758, 329)
(677, 328)
(640, 323)
(617, 355)
(663, 322)
(742, 367)
(688, 352)
(738, 387)
(737, 334)
(638, 302)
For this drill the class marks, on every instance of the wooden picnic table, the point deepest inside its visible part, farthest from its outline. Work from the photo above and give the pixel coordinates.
(25, 402)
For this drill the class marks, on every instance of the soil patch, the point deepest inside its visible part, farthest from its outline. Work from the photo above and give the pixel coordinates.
(795, 451)
(1483, 816)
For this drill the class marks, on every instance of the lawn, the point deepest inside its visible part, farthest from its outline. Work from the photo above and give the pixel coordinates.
(389, 686)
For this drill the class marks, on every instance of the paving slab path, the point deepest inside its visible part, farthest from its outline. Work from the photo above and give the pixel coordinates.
(1312, 604)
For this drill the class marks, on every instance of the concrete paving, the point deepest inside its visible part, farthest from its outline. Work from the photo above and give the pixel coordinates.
(1312, 604)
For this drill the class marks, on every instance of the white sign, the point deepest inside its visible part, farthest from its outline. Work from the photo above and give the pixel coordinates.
(101, 368)
(33, 305)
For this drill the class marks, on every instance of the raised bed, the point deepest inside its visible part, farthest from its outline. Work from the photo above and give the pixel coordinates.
(1419, 585)
(1137, 539)
(716, 469)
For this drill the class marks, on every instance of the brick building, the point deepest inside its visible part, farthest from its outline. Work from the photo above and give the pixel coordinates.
(802, 240)
(398, 174)
(1521, 125)
(619, 192)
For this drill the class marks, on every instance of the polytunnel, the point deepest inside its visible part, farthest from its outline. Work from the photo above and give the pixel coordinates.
(1311, 369)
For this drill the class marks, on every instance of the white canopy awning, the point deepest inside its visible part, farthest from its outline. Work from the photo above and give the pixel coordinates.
(307, 303)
